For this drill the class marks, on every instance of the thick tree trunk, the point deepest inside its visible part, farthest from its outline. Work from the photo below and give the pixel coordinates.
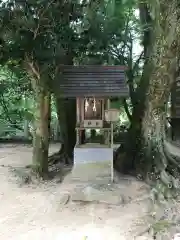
(129, 152)
(66, 111)
(129, 162)
(41, 134)
(147, 133)
(162, 77)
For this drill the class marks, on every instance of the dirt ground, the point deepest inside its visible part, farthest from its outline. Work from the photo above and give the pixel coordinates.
(35, 211)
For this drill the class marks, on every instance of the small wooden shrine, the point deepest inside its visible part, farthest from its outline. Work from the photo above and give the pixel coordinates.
(93, 87)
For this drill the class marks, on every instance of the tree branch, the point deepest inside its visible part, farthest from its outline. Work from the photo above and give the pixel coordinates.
(127, 110)
(30, 67)
(137, 62)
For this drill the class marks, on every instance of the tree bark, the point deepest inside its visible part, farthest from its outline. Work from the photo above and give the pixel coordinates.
(162, 77)
(66, 111)
(147, 133)
(41, 134)
(128, 153)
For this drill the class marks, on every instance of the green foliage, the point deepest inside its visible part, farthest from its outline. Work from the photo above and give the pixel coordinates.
(107, 33)
(37, 36)
(51, 33)
(15, 100)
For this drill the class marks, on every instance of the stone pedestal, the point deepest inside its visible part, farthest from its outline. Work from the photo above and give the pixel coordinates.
(93, 163)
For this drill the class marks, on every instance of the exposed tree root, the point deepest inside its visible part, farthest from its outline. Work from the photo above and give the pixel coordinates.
(59, 157)
(122, 163)
(165, 181)
(173, 152)
(160, 167)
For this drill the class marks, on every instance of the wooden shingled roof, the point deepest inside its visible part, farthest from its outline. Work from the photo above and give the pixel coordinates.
(91, 81)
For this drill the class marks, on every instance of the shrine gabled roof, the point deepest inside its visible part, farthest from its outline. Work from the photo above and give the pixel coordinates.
(91, 81)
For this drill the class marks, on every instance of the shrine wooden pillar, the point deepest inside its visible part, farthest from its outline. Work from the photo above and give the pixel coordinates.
(78, 119)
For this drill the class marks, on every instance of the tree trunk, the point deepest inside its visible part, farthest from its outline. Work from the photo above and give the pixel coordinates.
(128, 155)
(66, 111)
(162, 77)
(41, 135)
(147, 133)
(129, 152)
